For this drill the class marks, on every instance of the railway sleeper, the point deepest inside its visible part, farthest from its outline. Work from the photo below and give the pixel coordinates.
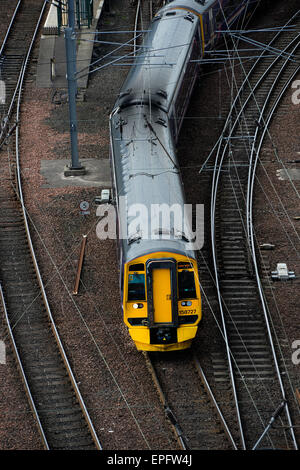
(238, 288)
(60, 397)
(77, 429)
(66, 415)
(14, 276)
(43, 388)
(14, 262)
(74, 440)
(18, 251)
(243, 323)
(229, 294)
(244, 333)
(78, 444)
(60, 402)
(26, 329)
(51, 370)
(68, 424)
(243, 274)
(34, 312)
(12, 289)
(49, 381)
(237, 347)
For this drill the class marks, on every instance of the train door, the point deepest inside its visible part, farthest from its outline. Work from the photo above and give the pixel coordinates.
(162, 300)
(162, 305)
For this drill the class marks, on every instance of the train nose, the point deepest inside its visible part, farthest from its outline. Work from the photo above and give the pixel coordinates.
(164, 334)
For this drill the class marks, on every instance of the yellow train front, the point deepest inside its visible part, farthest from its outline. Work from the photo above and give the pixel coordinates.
(161, 301)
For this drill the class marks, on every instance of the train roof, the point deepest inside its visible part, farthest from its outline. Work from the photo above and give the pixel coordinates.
(154, 76)
(198, 6)
(147, 177)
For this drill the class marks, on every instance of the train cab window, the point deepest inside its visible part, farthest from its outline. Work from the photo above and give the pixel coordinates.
(186, 285)
(137, 267)
(136, 286)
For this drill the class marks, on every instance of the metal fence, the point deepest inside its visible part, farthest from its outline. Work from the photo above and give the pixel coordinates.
(83, 12)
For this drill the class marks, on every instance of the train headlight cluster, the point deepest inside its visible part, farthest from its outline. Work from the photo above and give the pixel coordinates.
(186, 303)
(138, 305)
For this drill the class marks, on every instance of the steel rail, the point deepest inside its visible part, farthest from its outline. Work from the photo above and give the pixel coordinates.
(239, 92)
(214, 402)
(261, 119)
(168, 411)
(5, 122)
(170, 414)
(23, 376)
(36, 267)
(5, 119)
(250, 197)
(216, 176)
(10, 26)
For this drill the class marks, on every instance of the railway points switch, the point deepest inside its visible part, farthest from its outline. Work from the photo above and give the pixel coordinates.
(282, 273)
(104, 198)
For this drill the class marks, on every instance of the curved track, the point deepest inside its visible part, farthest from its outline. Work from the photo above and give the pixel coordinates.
(55, 399)
(254, 370)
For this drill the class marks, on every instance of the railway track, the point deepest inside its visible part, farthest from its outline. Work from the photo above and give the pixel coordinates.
(252, 361)
(191, 407)
(61, 415)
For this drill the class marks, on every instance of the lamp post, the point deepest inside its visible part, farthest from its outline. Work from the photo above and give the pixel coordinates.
(75, 169)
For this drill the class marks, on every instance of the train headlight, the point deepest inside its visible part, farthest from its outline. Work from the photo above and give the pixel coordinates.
(137, 305)
(186, 303)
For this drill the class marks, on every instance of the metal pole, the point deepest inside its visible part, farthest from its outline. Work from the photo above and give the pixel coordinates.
(75, 169)
(71, 14)
(71, 57)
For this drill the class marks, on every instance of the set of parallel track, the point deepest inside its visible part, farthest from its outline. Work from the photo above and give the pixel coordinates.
(252, 362)
(61, 415)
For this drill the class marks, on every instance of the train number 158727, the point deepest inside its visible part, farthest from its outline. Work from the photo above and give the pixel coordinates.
(187, 312)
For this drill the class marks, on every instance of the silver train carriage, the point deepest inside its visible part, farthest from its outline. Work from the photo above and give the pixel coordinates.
(159, 280)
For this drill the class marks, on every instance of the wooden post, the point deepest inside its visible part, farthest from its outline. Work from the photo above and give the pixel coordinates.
(80, 263)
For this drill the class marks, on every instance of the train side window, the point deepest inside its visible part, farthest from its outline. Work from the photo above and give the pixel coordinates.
(186, 285)
(136, 286)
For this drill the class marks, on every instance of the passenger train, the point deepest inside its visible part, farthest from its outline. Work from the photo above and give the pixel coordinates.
(159, 279)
